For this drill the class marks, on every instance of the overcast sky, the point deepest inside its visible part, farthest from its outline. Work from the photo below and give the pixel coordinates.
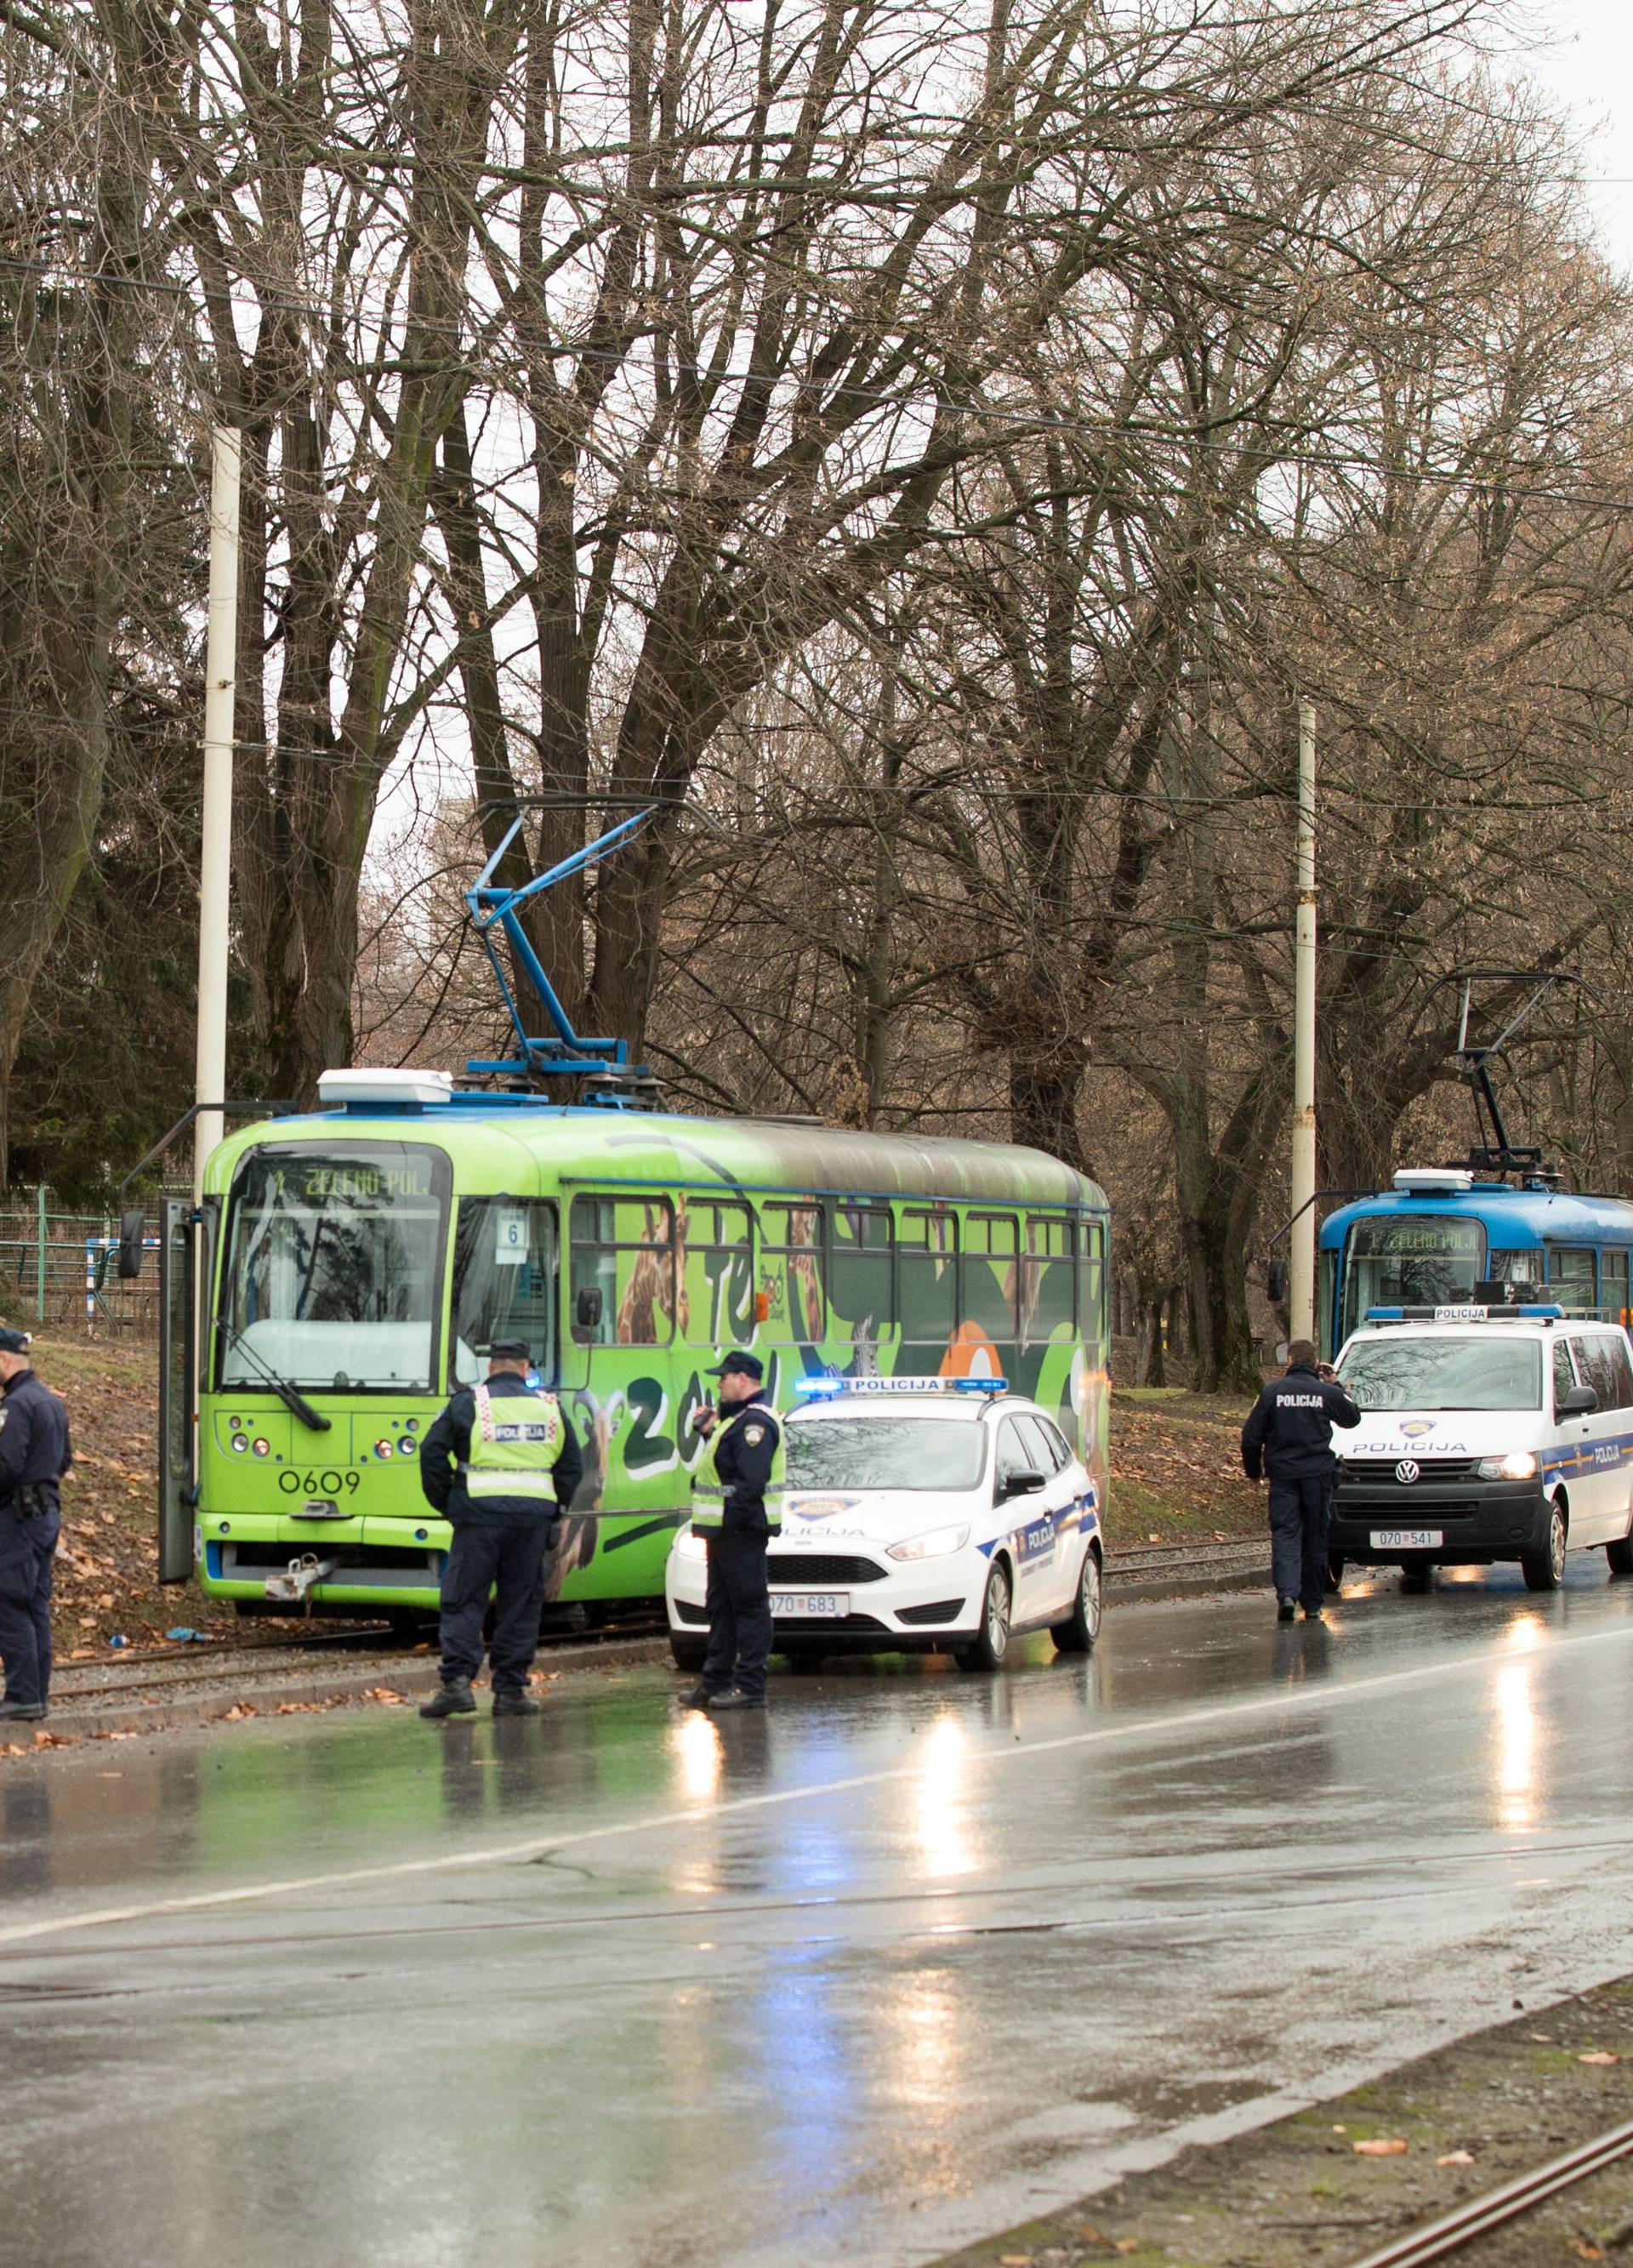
(1586, 61)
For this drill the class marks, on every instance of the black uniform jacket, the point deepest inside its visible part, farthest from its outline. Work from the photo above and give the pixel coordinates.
(34, 1447)
(1291, 1430)
(448, 1447)
(744, 1447)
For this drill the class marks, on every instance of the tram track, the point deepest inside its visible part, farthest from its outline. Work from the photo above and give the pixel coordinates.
(1501, 2207)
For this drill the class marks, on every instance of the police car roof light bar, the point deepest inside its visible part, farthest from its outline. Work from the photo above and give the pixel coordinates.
(827, 1384)
(1464, 1315)
(493, 906)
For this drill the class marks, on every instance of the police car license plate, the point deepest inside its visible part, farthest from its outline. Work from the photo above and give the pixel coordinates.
(808, 1605)
(1406, 1539)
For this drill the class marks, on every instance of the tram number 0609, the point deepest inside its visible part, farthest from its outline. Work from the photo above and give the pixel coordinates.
(314, 1484)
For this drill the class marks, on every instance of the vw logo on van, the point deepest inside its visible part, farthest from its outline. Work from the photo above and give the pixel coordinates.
(1406, 1471)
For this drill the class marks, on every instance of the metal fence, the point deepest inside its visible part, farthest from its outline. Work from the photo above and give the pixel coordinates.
(59, 1271)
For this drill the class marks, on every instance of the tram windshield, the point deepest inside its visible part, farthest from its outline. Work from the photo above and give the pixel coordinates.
(1417, 1262)
(871, 1453)
(1472, 1370)
(332, 1267)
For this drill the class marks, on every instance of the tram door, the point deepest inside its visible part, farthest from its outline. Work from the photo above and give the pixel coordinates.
(179, 1243)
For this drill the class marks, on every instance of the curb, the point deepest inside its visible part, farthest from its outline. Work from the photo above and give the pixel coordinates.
(411, 1678)
(1138, 1588)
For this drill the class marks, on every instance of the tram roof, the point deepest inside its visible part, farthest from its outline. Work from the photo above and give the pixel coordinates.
(658, 1149)
(1508, 1215)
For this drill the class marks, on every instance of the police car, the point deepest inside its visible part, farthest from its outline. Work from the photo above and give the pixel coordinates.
(1486, 1434)
(924, 1514)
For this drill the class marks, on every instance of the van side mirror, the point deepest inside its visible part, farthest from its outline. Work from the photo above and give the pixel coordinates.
(1276, 1282)
(1576, 1401)
(587, 1308)
(131, 1225)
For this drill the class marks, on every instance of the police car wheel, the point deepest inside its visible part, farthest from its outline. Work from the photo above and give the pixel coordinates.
(1620, 1554)
(1335, 1570)
(989, 1649)
(1545, 1570)
(1417, 1576)
(688, 1653)
(1077, 1633)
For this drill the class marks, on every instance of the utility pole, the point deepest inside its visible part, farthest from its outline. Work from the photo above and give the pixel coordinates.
(1301, 1256)
(215, 857)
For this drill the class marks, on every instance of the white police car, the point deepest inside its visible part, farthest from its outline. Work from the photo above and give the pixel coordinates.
(1486, 1434)
(925, 1514)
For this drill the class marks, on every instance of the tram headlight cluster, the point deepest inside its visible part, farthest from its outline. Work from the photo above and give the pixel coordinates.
(1518, 1465)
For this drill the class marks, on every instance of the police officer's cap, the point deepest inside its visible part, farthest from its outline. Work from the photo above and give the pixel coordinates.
(12, 1342)
(746, 1365)
(510, 1350)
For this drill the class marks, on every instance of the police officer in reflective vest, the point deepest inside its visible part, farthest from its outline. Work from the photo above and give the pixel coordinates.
(500, 1463)
(736, 1508)
(1291, 1433)
(34, 1453)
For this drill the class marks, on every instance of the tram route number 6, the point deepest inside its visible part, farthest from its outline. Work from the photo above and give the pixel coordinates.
(312, 1483)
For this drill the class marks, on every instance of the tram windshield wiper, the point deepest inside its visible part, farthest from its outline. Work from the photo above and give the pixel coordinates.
(290, 1396)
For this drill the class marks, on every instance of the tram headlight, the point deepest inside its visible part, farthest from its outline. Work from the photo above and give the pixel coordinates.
(1518, 1465)
(383, 1448)
(262, 1446)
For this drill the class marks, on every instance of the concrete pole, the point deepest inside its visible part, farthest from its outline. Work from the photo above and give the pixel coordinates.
(1301, 1258)
(216, 858)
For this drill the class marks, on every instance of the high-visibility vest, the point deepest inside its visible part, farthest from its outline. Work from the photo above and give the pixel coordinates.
(515, 1442)
(707, 1488)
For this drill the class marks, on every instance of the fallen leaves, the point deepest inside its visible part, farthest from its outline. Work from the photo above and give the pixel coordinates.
(388, 1695)
(239, 1711)
(1601, 2056)
(1385, 2146)
(1456, 2158)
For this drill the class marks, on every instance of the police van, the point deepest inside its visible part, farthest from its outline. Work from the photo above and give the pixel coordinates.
(1486, 1434)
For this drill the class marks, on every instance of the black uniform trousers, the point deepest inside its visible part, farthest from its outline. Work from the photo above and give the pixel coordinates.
(739, 1611)
(510, 1563)
(25, 1549)
(1299, 1510)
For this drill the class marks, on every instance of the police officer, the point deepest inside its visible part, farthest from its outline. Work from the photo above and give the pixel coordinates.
(1291, 1433)
(736, 1508)
(34, 1453)
(500, 1463)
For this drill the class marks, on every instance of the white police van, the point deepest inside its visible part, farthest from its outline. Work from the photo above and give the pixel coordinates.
(1486, 1434)
(922, 1514)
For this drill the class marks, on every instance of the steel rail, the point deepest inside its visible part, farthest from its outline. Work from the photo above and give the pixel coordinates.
(1498, 2206)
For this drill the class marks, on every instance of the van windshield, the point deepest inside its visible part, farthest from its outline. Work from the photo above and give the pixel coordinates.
(1467, 1371)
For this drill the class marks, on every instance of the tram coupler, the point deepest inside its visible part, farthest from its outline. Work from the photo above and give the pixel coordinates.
(294, 1584)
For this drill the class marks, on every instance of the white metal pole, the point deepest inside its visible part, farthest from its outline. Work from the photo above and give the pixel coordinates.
(215, 857)
(1301, 1258)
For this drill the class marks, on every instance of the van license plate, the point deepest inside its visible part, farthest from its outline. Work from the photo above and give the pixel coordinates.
(1406, 1539)
(803, 1605)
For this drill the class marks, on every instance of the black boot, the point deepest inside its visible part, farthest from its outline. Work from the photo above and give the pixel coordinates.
(455, 1699)
(736, 1699)
(699, 1698)
(28, 1712)
(516, 1705)
(1284, 1611)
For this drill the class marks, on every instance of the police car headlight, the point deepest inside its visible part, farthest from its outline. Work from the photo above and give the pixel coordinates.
(936, 1545)
(691, 1546)
(1518, 1465)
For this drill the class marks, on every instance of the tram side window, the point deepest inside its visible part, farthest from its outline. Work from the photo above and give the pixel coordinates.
(927, 1253)
(1092, 1281)
(1047, 1289)
(1571, 1275)
(623, 1288)
(504, 1277)
(991, 1272)
(718, 1261)
(793, 1248)
(1613, 1284)
(859, 1285)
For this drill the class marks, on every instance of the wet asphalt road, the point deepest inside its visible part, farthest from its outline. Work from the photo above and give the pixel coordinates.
(906, 1959)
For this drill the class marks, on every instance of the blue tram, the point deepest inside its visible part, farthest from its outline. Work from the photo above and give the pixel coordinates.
(1441, 1235)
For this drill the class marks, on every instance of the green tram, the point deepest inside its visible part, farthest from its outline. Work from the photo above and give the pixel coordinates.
(356, 1263)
